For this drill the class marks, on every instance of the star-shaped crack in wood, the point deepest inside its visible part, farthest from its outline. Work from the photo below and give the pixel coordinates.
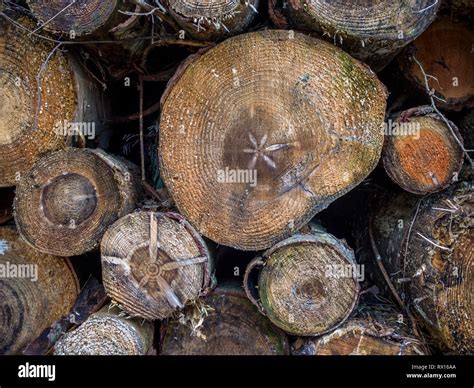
(259, 150)
(154, 268)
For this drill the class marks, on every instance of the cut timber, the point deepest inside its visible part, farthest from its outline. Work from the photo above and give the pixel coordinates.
(373, 31)
(445, 52)
(78, 17)
(307, 284)
(466, 127)
(426, 246)
(33, 123)
(66, 202)
(264, 130)
(154, 263)
(35, 290)
(212, 19)
(370, 332)
(422, 156)
(107, 333)
(231, 326)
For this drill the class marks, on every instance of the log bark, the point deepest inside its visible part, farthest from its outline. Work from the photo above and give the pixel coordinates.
(107, 332)
(230, 325)
(426, 247)
(154, 264)
(41, 89)
(373, 31)
(441, 51)
(307, 284)
(374, 330)
(263, 131)
(36, 295)
(212, 19)
(65, 203)
(422, 155)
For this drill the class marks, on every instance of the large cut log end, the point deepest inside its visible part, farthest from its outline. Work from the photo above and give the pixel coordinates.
(264, 130)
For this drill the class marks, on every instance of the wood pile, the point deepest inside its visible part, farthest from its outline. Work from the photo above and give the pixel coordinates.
(236, 177)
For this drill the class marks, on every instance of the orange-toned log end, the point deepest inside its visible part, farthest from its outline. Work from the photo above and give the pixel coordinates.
(263, 131)
(154, 264)
(308, 285)
(424, 158)
(444, 51)
(35, 291)
(359, 337)
(231, 326)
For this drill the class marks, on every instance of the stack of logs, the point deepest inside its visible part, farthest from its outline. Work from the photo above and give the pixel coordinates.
(308, 191)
